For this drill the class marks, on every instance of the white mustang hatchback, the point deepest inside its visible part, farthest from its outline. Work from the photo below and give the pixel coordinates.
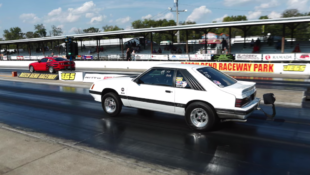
(202, 94)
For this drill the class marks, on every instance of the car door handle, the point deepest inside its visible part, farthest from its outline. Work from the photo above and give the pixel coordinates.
(167, 91)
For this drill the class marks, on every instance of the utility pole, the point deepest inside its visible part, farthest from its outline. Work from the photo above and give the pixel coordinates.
(176, 2)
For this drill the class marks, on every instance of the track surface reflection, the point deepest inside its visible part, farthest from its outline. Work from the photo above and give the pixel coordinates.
(256, 147)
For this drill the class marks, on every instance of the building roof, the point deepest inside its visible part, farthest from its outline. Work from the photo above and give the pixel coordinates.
(169, 28)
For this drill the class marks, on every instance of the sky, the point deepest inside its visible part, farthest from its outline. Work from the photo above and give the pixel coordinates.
(80, 14)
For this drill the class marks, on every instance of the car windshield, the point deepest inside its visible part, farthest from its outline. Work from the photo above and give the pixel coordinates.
(217, 77)
(60, 59)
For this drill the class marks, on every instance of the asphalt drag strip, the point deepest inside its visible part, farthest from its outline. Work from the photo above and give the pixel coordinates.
(258, 146)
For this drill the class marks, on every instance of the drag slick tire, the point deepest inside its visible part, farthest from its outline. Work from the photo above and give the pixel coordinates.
(51, 70)
(111, 104)
(200, 116)
(31, 69)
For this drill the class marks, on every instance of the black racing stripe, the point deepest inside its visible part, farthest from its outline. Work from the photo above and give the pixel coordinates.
(189, 77)
(95, 92)
(153, 101)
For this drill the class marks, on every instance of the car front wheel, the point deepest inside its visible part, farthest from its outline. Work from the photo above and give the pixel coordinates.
(111, 104)
(31, 69)
(200, 116)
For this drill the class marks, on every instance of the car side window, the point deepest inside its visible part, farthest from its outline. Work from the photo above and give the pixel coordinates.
(162, 77)
(181, 82)
(49, 60)
(44, 60)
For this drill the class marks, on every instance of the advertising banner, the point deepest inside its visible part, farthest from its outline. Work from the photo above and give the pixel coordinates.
(238, 67)
(26, 57)
(302, 57)
(39, 76)
(114, 56)
(40, 57)
(20, 57)
(278, 57)
(294, 68)
(98, 77)
(13, 57)
(5, 57)
(249, 57)
(88, 57)
(33, 57)
(178, 57)
(159, 57)
(200, 57)
(79, 57)
(142, 56)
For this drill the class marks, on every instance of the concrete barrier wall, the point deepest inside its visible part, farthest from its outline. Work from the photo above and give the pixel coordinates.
(277, 68)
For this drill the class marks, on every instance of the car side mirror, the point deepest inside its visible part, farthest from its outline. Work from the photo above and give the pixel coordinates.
(138, 81)
(39, 61)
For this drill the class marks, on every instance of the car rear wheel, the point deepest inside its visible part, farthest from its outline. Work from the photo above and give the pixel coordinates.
(111, 104)
(200, 116)
(31, 69)
(51, 70)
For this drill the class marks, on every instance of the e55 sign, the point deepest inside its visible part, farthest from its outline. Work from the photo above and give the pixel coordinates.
(67, 76)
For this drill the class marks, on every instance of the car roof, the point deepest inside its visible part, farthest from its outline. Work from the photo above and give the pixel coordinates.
(179, 65)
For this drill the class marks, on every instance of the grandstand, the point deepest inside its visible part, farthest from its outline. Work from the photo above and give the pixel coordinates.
(93, 44)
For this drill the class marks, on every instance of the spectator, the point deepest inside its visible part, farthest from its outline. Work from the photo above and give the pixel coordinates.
(128, 54)
(133, 55)
(252, 43)
(224, 43)
(297, 49)
(89, 52)
(279, 45)
(255, 49)
(154, 51)
(159, 50)
(52, 54)
(257, 42)
(179, 50)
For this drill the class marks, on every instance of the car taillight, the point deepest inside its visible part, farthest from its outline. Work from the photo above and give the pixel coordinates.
(239, 103)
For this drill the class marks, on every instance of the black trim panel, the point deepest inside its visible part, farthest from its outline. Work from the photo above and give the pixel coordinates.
(227, 111)
(154, 101)
(95, 92)
(192, 80)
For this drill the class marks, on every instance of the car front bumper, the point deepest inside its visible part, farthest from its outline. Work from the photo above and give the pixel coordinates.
(239, 113)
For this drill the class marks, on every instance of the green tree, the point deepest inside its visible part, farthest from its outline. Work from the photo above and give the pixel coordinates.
(12, 34)
(291, 13)
(111, 28)
(56, 31)
(30, 34)
(91, 30)
(40, 30)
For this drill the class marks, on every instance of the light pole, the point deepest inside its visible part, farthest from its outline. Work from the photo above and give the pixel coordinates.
(176, 2)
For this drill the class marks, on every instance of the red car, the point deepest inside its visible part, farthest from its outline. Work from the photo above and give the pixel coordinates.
(52, 64)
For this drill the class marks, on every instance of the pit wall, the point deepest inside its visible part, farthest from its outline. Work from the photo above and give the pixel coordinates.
(275, 68)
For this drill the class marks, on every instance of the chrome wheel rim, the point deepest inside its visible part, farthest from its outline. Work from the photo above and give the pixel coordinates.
(199, 117)
(110, 105)
(51, 70)
(31, 69)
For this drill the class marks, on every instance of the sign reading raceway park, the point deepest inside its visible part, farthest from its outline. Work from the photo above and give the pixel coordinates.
(303, 56)
(142, 56)
(238, 67)
(200, 57)
(39, 76)
(159, 57)
(249, 57)
(178, 57)
(278, 57)
(98, 77)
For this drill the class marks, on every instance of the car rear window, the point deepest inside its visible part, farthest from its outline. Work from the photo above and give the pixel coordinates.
(60, 59)
(217, 77)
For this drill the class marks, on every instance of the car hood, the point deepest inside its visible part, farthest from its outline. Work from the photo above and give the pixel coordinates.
(241, 89)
